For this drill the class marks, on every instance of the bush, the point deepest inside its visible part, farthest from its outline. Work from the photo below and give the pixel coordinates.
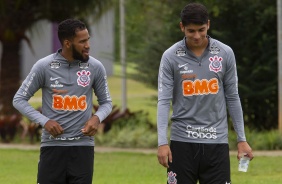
(134, 131)
(258, 140)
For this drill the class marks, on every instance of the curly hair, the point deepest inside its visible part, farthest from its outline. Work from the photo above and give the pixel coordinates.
(68, 28)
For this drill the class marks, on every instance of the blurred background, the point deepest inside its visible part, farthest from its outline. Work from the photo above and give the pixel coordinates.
(129, 38)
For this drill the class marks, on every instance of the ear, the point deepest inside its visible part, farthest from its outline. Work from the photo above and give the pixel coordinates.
(208, 24)
(181, 27)
(67, 43)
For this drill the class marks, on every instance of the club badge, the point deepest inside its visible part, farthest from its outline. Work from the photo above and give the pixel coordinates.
(55, 64)
(83, 78)
(214, 50)
(180, 52)
(215, 64)
(171, 178)
(83, 65)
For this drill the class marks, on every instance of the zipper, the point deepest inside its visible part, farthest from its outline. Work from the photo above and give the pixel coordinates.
(69, 74)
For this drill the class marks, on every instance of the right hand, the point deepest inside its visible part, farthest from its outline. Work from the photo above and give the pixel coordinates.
(54, 128)
(164, 155)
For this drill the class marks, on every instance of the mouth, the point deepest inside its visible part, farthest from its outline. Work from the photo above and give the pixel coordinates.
(86, 52)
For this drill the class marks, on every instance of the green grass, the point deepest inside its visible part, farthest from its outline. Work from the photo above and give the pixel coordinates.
(139, 96)
(20, 167)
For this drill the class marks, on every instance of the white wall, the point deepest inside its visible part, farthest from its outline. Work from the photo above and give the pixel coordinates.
(41, 42)
(102, 41)
(41, 36)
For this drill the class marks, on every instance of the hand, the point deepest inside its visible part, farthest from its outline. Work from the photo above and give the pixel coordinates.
(244, 149)
(91, 126)
(54, 128)
(164, 155)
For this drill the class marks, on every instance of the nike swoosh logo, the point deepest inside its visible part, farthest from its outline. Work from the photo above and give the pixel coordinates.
(180, 66)
(52, 79)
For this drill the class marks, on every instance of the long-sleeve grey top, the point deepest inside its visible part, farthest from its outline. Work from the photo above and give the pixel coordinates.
(200, 90)
(67, 97)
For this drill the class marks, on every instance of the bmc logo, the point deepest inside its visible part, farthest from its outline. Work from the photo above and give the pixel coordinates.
(200, 87)
(69, 103)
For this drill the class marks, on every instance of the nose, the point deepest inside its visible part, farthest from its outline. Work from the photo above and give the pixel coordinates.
(197, 35)
(87, 44)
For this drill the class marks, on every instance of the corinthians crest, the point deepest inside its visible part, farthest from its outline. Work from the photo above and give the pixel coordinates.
(215, 64)
(171, 178)
(83, 78)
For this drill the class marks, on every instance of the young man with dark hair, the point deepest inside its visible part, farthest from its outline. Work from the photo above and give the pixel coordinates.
(198, 74)
(67, 79)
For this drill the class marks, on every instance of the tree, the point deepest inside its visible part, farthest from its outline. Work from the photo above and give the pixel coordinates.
(18, 16)
(249, 27)
(251, 30)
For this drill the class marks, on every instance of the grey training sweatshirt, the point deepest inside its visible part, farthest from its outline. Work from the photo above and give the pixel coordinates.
(200, 89)
(67, 97)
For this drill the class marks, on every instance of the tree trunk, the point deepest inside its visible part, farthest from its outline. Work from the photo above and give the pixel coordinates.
(9, 76)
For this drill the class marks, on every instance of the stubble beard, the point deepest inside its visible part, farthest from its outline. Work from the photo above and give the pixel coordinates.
(78, 56)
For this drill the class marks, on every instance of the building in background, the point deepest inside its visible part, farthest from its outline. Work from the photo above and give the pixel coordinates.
(44, 41)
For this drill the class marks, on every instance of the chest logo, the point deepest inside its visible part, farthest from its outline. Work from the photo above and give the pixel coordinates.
(83, 65)
(200, 87)
(214, 50)
(180, 52)
(83, 78)
(215, 63)
(69, 103)
(55, 64)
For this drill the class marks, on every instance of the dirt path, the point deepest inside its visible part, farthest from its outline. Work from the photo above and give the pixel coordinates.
(132, 150)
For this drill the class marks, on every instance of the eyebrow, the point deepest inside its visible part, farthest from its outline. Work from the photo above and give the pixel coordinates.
(195, 29)
(85, 39)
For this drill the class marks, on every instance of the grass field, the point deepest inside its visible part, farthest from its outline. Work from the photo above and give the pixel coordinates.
(20, 167)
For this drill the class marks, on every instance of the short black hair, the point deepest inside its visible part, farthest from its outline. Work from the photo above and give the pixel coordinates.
(68, 28)
(194, 13)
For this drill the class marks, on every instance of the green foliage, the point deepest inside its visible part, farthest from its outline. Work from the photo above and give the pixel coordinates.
(251, 32)
(258, 140)
(249, 27)
(131, 131)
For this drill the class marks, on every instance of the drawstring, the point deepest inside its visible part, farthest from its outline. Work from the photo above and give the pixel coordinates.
(199, 149)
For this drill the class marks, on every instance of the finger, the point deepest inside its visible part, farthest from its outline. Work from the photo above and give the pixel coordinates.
(250, 155)
(61, 130)
(161, 161)
(164, 162)
(170, 157)
(85, 130)
(58, 130)
(91, 133)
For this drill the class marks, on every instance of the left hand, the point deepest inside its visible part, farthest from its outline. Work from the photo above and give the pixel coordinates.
(91, 126)
(244, 149)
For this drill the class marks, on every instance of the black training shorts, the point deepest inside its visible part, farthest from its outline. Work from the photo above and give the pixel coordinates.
(66, 165)
(193, 162)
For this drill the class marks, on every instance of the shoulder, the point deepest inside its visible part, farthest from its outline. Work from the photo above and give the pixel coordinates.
(218, 46)
(175, 49)
(95, 62)
(96, 65)
(48, 61)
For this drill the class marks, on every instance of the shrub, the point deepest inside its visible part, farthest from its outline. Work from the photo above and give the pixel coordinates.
(134, 130)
